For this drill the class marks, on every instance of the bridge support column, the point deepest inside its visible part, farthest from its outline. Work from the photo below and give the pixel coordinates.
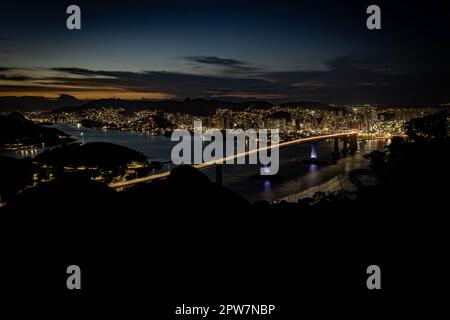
(353, 144)
(345, 147)
(313, 150)
(219, 174)
(336, 147)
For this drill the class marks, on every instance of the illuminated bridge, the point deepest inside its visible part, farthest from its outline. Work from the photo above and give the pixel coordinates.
(346, 137)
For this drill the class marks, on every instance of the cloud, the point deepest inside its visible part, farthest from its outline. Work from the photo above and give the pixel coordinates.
(140, 83)
(353, 62)
(216, 61)
(348, 80)
(77, 71)
(231, 64)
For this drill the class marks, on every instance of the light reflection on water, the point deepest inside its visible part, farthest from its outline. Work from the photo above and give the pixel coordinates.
(267, 186)
(22, 154)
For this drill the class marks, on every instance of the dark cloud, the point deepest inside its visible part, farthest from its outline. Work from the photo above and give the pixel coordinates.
(219, 91)
(77, 71)
(348, 80)
(216, 61)
(222, 62)
(43, 90)
(351, 62)
(13, 78)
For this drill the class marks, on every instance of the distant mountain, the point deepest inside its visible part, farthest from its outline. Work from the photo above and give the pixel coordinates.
(67, 103)
(23, 104)
(17, 116)
(193, 106)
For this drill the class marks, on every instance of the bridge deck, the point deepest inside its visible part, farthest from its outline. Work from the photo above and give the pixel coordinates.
(205, 165)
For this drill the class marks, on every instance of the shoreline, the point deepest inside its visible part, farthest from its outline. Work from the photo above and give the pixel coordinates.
(337, 183)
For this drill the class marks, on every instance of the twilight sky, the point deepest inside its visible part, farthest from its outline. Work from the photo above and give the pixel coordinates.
(272, 50)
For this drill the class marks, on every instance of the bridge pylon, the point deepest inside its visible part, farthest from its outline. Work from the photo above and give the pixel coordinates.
(353, 144)
(345, 147)
(336, 153)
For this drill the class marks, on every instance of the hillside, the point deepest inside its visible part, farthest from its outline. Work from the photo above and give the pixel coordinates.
(66, 103)
(16, 132)
(193, 106)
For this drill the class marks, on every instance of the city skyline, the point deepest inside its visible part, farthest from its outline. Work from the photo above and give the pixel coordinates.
(225, 153)
(230, 51)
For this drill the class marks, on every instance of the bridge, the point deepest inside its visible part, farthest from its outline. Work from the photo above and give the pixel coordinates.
(348, 138)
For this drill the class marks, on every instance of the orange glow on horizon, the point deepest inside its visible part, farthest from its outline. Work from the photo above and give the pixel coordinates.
(91, 95)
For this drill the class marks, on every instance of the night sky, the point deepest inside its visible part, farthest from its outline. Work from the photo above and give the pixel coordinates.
(230, 50)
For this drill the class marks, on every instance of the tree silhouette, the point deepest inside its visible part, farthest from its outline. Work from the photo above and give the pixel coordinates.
(429, 127)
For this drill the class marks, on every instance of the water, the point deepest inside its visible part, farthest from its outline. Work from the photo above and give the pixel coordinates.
(156, 148)
(297, 177)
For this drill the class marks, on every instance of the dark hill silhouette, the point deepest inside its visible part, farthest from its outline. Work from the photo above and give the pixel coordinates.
(17, 115)
(178, 237)
(187, 185)
(90, 154)
(196, 106)
(26, 103)
(100, 159)
(191, 188)
(15, 175)
(16, 129)
(70, 193)
(192, 106)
